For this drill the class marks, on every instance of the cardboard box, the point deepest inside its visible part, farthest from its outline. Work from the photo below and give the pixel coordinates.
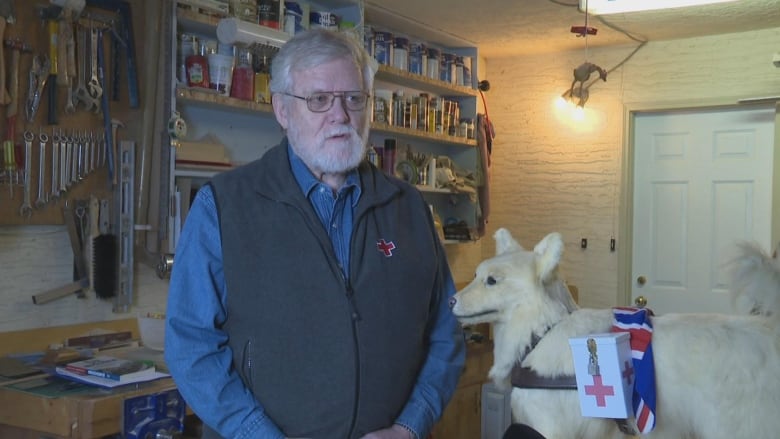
(608, 393)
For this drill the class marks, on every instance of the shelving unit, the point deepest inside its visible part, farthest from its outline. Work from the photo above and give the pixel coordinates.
(248, 129)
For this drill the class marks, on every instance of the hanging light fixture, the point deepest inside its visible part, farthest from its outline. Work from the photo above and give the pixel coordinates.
(578, 91)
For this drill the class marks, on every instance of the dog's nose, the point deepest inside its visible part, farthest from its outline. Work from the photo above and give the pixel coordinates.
(452, 302)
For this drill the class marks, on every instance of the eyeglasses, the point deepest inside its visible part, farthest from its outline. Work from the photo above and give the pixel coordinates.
(321, 102)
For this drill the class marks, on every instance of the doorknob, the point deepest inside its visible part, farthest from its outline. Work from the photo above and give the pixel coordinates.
(640, 301)
(641, 280)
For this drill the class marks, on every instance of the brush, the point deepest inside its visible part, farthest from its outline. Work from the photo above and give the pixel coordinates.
(105, 257)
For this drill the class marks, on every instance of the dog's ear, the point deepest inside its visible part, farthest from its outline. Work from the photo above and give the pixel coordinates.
(504, 242)
(548, 251)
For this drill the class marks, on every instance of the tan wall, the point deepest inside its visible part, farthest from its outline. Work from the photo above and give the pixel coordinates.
(550, 175)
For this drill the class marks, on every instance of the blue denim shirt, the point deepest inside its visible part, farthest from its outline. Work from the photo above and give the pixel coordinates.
(195, 346)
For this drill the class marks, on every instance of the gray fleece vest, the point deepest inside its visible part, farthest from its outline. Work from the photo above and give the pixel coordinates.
(327, 357)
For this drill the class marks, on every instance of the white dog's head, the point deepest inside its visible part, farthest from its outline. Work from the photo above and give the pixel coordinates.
(514, 278)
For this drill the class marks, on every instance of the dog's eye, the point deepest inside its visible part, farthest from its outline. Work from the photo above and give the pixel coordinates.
(491, 280)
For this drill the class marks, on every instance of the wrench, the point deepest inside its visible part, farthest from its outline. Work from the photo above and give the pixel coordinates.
(95, 90)
(70, 106)
(26, 209)
(41, 200)
(81, 93)
(55, 166)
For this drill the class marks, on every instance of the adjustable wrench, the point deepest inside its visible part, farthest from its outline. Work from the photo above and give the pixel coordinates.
(81, 93)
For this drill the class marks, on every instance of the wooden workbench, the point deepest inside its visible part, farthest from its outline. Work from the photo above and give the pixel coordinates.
(83, 416)
(91, 415)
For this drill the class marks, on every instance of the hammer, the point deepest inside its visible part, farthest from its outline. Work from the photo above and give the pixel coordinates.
(17, 47)
(6, 17)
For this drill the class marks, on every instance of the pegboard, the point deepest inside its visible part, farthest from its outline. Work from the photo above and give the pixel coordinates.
(85, 127)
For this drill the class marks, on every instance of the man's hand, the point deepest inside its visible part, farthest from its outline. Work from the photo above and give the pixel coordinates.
(394, 432)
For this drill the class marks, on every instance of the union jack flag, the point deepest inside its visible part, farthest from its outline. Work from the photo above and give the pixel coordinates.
(636, 321)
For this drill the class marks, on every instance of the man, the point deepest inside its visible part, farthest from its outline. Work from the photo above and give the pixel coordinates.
(309, 296)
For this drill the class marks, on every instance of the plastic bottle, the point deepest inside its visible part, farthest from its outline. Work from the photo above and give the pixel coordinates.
(197, 68)
(243, 84)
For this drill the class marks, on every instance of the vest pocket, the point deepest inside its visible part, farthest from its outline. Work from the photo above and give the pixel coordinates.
(246, 364)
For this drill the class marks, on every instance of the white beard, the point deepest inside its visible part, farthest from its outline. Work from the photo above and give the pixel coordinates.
(330, 158)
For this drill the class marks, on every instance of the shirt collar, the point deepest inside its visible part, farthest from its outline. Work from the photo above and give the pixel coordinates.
(307, 182)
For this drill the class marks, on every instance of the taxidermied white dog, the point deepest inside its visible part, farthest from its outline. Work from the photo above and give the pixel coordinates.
(717, 376)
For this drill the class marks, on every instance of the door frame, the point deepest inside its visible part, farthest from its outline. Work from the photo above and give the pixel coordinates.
(626, 211)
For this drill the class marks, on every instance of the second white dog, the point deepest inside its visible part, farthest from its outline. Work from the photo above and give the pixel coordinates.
(717, 376)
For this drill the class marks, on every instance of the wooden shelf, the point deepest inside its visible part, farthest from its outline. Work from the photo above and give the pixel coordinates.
(413, 80)
(206, 97)
(192, 21)
(418, 134)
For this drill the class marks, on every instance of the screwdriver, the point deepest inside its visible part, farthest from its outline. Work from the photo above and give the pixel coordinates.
(10, 163)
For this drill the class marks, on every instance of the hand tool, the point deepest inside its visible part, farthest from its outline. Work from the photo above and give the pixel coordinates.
(41, 200)
(17, 48)
(94, 84)
(81, 94)
(106, 114)
(39, 76)
(6, 17)
(67, 43)
(53, 27)
(55, 166)
(124, 11)
(26, 209)
(9, 164)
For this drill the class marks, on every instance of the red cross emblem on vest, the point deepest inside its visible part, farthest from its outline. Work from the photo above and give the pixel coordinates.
(385, 247)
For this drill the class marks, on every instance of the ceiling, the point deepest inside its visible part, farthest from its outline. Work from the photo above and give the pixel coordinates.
(507, 28)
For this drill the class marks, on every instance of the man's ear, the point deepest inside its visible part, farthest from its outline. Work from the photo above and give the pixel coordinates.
(280, 110)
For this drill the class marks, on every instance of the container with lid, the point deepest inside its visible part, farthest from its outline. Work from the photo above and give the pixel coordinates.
(383, 47)
(434, 60)
(401, 53)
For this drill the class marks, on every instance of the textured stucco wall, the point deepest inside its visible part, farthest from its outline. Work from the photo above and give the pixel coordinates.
(552, 175)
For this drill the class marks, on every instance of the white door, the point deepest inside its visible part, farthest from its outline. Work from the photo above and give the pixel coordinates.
(702, 183)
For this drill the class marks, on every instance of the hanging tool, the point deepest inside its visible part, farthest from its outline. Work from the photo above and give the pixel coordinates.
(9, 164)
(107, 127)
(125, 32)
(50, 15)
(82, 280)
(6, 17)
(9, 146)
(26, 209)
(39, 77)
(17, 48)
(42, 198)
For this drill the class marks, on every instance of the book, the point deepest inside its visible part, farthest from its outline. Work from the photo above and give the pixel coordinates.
(112, 368)
(106, 382)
